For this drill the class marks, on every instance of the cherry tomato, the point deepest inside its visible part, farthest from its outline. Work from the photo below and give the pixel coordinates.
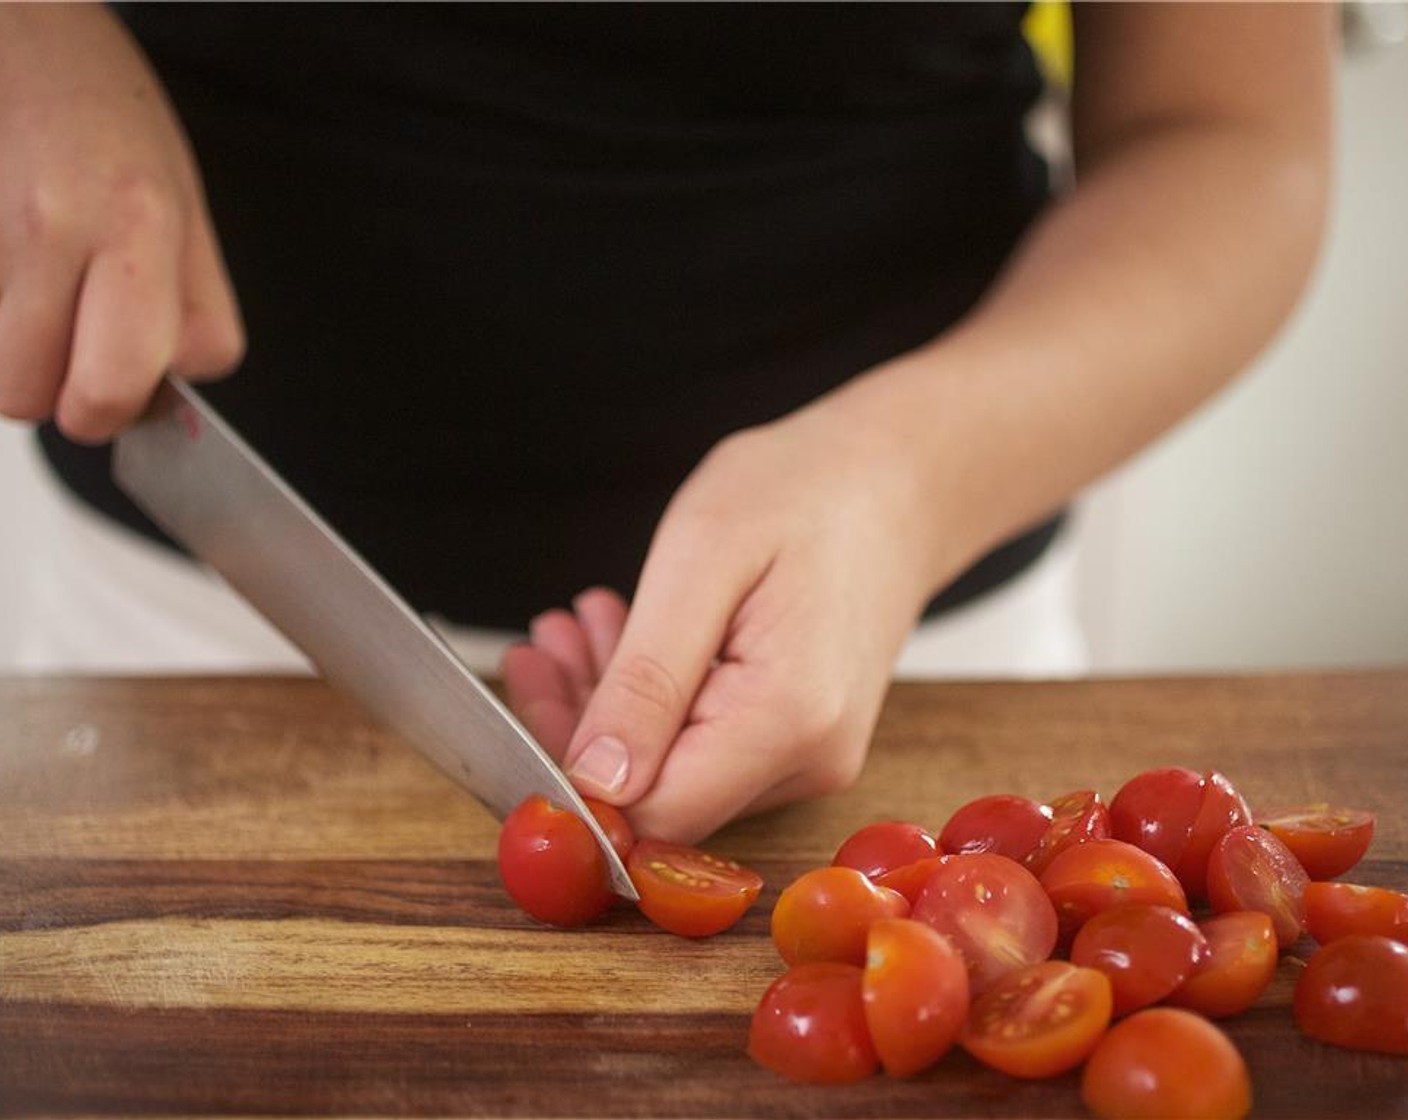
(1099, 874)
(909, 880)
(1251, 870)
(826, 914)
(551, 866)
(1222, 810)
(613, 822)
(810, 1025)
(993, 910)
(1165, 1062)
(689, 892)
(1328, 842)
(1155, 811)
(1146, 951)
(1240, 965)
(1354, 993)
(1075, 818)
(1006, 824)
(1335, 910)
(1040, 1020)
(884, 846)
(915, 989)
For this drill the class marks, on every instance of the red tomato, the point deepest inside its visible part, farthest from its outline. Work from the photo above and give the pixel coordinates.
(1222, 810)
(1251, 870)
(1335, 910)
(915, 989)
(551, 866)
(1165, 1062)
(810, 1025)
(1099, 874)
(993, 910)
(1240, 965)
(1354, 993)
(1006, 824)
(689, 892)
(884, 846)
(1075, 818)
(1040, 1020)
(1155, 811)
(826, 914)
(613, 822)
(1328, 842)
(1146, 951)
(909, 880)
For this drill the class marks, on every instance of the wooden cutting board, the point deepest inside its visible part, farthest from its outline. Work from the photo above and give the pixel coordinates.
(237, 896)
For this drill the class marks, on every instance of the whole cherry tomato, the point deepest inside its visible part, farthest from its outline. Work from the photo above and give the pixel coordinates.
(1240, 965)
(1354, 993)
(1326, 841)
(1146, 951)
(1155, 811)
(810, 1025)
(826, 914)
(1250, 869)
(909, 880)
(1087, 878)
(551, 866)
(915, 989)
(1075, 818)
(1003, 823)
(690, 892)
(884, 846)
(1222, 810)
(1335, 910)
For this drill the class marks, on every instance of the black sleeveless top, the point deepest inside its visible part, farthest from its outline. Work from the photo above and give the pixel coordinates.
(509, 271)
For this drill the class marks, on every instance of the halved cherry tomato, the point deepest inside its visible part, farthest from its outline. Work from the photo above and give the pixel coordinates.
(1003, 823)
(810, 1025)
(613, 822)
(1327, 841)
(1099, 874)
(1075, 818)
(1165, 1062)
(690, 892)
(884, 846)
(551, 866)
(1335, 910)
(1240, 965)
(826, 913)
(993, 910)
(909, 880)
(915, 989)
(1222, 810)
(1155, 811)
(1251, 870)
(1040, 1020)
(1354, 993)
(1146, 951)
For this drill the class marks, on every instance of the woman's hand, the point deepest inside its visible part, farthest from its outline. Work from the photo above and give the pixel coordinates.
(110, 273)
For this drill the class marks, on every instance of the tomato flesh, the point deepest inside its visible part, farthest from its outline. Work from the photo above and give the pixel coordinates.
(810, 1025)
(1088, 878)
(1335, 910)
(1354, 993)
(909, 880)
(1146, 951)
(1155, 811)
(1252, 870)
(1240, 965)
(551, 866)
(884, 846)
(915, 989)
(826, 914)
(688, 891)
(1327, 841)
(1003, 823)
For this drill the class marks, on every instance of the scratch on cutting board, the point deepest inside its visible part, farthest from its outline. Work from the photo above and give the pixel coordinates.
(82, 740)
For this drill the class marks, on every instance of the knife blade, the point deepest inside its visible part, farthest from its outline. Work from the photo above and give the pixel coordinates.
(197, 479)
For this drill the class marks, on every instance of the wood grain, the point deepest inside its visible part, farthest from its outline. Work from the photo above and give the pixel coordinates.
(236, 896)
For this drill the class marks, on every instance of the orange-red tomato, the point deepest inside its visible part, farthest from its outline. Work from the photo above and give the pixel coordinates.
(909, 880)
(826, 914)
(1075, 818)
(810, 1025)
(1099, 874)
(690, 892)
(1146, 951)
(1155, 811)
(613, 822)
(1239, 967)
(993, 910)
(1252, 870)
(1222, 810)
(884, 846)
(1040, 1020)
(1335, 910)
(1003, 823)
(1164, 1062)
(1326, 841)
(1354, 993)
(551, 866)
(915, 989)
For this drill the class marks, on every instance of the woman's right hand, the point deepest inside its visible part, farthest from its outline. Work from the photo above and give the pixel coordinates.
(110, 272)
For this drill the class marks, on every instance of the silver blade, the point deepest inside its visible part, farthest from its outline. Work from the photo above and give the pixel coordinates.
(201, 483)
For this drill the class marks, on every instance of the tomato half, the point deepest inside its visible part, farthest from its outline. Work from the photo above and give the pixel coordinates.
(551, 866)
(1250, 869)
(915, 989)
(690, 892)
(810, 1025)
(1326, 841)
(1222, 810)
(884, 846)
(1354, 993)
(826, 913)
(1240, 965)
(1155, 811)
(1335, 910)
(1003, 823)
(1164, 1062)
(1099, 874)
(909, 880)
(1040, 1020)
(1075, 818)
(1146, 951)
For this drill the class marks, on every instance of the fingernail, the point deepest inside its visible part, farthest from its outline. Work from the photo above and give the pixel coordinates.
(603, 764)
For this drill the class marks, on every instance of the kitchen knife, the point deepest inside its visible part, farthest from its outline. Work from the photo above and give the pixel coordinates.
(208, 489)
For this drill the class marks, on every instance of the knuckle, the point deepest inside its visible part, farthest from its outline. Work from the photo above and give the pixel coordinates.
(211, 347)
(95, 411)
(48, 217)
(140, 203)
(648, 683)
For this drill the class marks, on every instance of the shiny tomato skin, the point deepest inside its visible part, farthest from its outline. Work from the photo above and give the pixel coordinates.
(1003, 823)
(810, 1025)
(1335, 910)
(884, 846)
(1075, 818)
(1146, 951)
(1222, 810)
(993, 910)
(1250, 869)
(688, 891)
(613, 822)
(551, 866)
(1327, 841)
(1354, 993)
(909, 880)
(1087, 878)
(1155, 811)
(1240, 965)
(1166, 1062)
(826, 914)
(1039, 1021)
(915, 989)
